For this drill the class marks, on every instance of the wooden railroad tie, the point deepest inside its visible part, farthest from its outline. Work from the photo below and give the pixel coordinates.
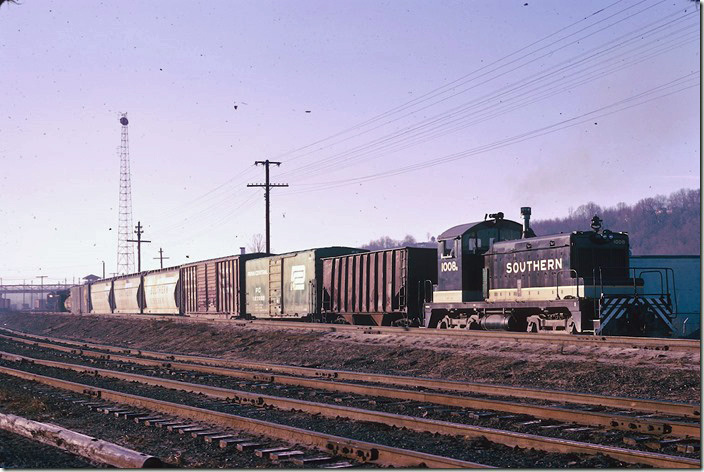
(311, 460)
(285, 455)
(246, 446)
(232, 442)
(267, 451)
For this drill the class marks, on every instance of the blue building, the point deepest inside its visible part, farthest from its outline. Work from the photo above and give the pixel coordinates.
(686, 271)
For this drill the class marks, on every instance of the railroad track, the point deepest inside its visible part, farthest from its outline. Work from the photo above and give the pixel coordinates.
(511, 439)
(233, 368)
(664, 344)
(182, 414)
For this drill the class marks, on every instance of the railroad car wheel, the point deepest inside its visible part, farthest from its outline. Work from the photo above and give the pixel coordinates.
(532, 327)
(571, 327)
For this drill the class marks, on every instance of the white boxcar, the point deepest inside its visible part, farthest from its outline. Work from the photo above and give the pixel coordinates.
(161, 292)
(127, 294)
(100, 297)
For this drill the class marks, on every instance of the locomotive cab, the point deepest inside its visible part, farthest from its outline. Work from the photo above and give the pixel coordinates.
(461, 252)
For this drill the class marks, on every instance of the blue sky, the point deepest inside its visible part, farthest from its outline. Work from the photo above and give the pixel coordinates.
(422, 115)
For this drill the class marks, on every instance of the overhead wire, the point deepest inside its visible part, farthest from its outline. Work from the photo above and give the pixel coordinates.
(332, 160)
(494, 109)
(524, 57)
(450, 85)
(679, 84)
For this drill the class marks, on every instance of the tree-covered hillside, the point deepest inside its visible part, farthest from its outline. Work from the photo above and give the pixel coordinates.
(657, 226)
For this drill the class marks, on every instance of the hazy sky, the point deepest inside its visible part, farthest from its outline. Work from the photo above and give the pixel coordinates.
(390, 118)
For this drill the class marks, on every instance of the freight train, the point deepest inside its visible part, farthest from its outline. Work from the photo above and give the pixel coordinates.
(494, 274)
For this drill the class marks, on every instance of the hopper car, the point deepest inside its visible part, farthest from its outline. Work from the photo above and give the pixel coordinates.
(494, 274)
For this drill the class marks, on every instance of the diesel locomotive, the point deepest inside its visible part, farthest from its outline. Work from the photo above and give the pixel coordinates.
(495, 274)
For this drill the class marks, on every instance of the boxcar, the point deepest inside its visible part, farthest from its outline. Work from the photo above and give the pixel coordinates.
(161, 292)
(379, 288)
(215, 286)
(127, 294)
(285, 286)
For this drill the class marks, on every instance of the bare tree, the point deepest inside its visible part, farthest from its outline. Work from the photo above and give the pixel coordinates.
(257, 243)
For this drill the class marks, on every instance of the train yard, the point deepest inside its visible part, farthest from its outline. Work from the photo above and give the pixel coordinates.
(325, 416)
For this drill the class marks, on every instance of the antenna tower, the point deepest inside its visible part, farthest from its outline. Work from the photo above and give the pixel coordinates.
(125, 249)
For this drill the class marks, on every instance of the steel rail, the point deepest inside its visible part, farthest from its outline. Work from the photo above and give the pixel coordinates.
(88, 447)
(666, 344)
(602, 419)
(643, 405)
(508, 438)
(336, 445)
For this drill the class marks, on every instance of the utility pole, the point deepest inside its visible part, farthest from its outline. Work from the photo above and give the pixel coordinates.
(41, 292)
(139, 242)
(161, 257)
(267, 186)
(103, 268)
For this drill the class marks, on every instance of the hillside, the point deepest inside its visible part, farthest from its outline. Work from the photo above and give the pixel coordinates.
(657, 226)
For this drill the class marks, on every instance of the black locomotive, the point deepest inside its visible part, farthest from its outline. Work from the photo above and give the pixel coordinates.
(497, 275)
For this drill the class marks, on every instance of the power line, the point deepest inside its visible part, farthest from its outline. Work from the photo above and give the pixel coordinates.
(560, 125)
(438, 131)
(321, 164)
(450, 85)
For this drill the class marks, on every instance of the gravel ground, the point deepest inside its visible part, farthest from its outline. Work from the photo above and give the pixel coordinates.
(478, 450)
(455, 415)
(662, 375)
(28, 399)
(17, 452)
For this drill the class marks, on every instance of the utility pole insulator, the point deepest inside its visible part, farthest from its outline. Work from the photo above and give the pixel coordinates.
(267, 187)
(139, 242)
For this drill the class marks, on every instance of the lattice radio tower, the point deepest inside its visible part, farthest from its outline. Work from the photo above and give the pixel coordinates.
(125, 249)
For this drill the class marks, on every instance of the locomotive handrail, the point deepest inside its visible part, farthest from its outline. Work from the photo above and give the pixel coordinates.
(664, 287)
(573, 275)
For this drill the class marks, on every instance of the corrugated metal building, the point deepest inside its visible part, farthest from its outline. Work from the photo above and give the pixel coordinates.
(687, 281)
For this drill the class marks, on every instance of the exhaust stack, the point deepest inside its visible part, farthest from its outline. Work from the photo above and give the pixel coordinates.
(527, 231)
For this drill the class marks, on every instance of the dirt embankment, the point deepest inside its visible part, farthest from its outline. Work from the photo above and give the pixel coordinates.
(664, 375)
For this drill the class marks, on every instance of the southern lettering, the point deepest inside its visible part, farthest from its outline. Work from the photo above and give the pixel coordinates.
(539, 265)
